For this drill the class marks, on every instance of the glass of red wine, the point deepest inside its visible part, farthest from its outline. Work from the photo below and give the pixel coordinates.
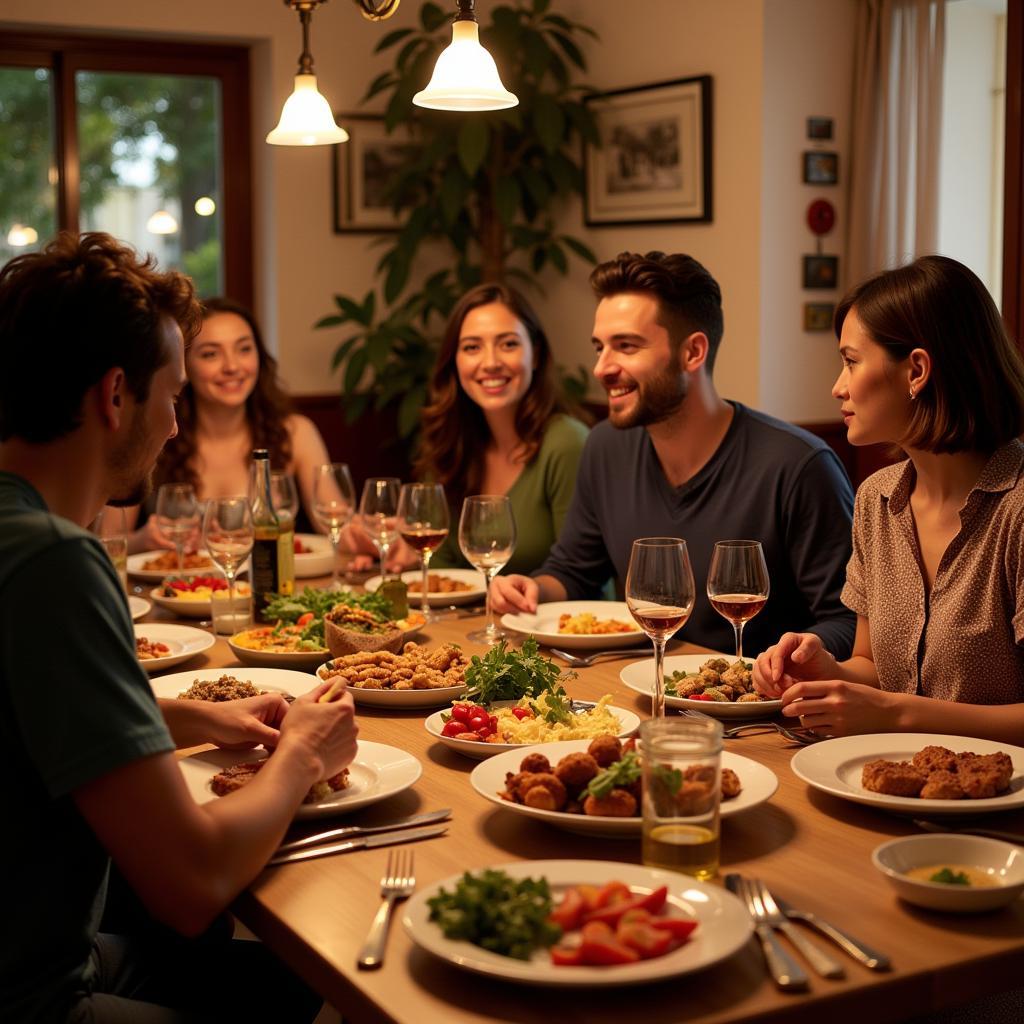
(738, 583)
(423, 524)
(660, 593)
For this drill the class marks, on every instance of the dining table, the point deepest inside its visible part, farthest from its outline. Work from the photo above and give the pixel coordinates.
(810, 847)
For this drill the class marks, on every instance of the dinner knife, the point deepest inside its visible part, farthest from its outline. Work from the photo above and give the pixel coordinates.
(846, 942)
(1007, 837)
(429, 818)
(410, 835)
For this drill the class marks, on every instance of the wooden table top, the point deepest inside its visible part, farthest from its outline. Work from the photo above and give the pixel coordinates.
(811, 848)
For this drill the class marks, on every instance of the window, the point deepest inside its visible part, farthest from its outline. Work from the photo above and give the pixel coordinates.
(148, 141)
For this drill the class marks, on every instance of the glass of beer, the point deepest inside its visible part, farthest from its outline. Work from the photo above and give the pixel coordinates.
(681, 794)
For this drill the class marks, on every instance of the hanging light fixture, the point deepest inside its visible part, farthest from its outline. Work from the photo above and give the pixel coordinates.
(162, 223)
(21, 235)
(465, 75)
(306, 119)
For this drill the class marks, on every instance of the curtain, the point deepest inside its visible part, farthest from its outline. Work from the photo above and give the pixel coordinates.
(897, 122)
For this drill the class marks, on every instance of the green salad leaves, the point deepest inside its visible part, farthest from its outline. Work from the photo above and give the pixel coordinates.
(503, 674)
(287, 609)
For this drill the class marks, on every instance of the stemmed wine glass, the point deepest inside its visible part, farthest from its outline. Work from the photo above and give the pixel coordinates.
(738, 583)
(284, 494)
(487, 536)
(334, 503)
(423, 523)
(378, 510)
(177, 515)
(660, 594)
(228, 536)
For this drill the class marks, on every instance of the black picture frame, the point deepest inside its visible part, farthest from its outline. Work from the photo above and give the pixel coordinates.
(821, 168)
(655, 162)
(360, 169)
(818, 316)
(821, 272)
(819, 129)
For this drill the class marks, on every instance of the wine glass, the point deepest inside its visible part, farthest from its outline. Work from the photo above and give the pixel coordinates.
(284, 494)
(228, 535)
(177, 516)
(378, 510)
(423, 524)
(738, 583)
(660, 594)
(487, 536)
(334, 502)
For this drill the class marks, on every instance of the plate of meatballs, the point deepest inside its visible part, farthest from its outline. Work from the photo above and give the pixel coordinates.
(917, 773)
(550, 781)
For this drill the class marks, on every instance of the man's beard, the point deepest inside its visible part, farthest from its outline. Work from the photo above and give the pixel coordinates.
(133, 481)
(657, 400)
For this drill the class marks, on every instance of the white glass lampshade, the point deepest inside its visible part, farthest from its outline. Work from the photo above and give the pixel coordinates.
(465, 76)
(162, 223)
(306, 119)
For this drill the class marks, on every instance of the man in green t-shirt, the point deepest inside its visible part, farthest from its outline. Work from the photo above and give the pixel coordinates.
(92, 349)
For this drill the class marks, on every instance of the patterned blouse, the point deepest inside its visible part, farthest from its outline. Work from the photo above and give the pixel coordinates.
(963, 641)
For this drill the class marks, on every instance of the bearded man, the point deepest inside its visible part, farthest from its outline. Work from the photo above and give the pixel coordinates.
(674, 459)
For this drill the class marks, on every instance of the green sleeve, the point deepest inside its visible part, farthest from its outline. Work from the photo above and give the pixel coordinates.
(562, 464)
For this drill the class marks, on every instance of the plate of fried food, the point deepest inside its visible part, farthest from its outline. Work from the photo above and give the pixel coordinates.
(715, 685)
(192, 597)
(155, 565)
(917, 773)
(221, 684)
(593, 786)
(314, 555)
(378, 771)
(160, 645)
(579, 625)
(417, 677)
(444, 586)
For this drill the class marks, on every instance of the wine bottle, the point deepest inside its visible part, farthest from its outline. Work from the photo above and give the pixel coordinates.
(273, 549)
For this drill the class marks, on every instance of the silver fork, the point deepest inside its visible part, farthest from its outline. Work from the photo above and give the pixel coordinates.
(397, 883)
(586, 660)
(819, 960)
(784, 970)
(804, 737)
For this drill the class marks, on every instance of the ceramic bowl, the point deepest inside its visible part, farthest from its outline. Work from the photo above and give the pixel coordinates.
(1004, 862)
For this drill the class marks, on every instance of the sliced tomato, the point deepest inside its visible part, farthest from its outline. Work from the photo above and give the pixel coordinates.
(589, 895)
(469, 735)
(305, 620)
(612, 892)
(647, 941)
(522, 713)
(636, 916)
(569, 913)
(567, 956)
(610, 914)
(600, 946)
(678, 927)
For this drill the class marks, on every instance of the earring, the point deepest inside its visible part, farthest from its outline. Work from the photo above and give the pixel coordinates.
(913, 394)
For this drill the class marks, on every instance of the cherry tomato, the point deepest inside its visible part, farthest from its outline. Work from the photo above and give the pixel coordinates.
(647, 941)
(569, 913)
(679, 928)
(522, 713)
(480, 721)
(453, 727)
(304, 620)
(567, 956)
(600, 946)
(461, 712)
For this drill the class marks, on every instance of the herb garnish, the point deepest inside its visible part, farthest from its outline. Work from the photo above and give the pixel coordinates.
(289, 608)
(618, 775)
(503, 674)
(949, 877)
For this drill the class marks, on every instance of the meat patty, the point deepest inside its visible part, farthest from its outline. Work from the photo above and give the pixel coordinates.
(893, 778)
(239, 775)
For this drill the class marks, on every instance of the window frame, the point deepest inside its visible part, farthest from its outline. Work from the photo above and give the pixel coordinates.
(65, 55)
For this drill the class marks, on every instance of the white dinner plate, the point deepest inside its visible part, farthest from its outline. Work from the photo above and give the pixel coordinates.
(305, 661)
(639, 676)
(834, 766)
(270, 680)
(543, 624)
(724, 926)
(137, 561)
(193, 608)
(387, 698)
(488, 778)
(379, 771)
(629, 723)
(138, 606)
(436, 599)
(318, 562)
(184, 641)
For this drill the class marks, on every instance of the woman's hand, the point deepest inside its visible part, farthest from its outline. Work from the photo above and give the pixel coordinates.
(834, 707)
(327, 730)
(246, 723)
(796, 656)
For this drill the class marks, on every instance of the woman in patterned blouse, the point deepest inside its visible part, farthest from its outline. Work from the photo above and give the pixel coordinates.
(937, 572)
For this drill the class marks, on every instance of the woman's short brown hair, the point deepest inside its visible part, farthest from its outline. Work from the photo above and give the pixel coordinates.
(974, 398)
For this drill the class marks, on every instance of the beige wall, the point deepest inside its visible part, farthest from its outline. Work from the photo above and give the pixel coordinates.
(772, 66)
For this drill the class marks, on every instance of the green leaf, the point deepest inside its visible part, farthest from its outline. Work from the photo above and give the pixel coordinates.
(506, 199)
(355, 407)
(391, 38)
(473, 143)
(537, 53)
(536, 185)
(548, 122)
(409, 410)
(571, 50)
(328, 321)
(398, 274)
(558, 257)
(406, 52)
(354, 371)
(369, 306)
(540, 6)
(432, 17)
(453, 193)
(351, 309)
(581, 250)
(379, 84)
(343, 350)
(538, 259)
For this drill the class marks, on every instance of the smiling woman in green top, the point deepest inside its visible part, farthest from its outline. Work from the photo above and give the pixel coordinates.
(496, 423)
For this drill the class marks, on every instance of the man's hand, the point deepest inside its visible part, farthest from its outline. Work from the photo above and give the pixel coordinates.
(796, 656)
(241, 724)
(514, 594)
(328, 731)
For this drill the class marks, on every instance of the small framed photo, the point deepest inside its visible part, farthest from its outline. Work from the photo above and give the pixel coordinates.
(363, 168)
(821, 271)
(818, 316)
(821, 168)
(654, 162)
(819, 128)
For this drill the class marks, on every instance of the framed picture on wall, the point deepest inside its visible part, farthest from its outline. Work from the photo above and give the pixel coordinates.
(654, 162)
(363, 168)
(821, 272)
(821, 168)
(818, 316)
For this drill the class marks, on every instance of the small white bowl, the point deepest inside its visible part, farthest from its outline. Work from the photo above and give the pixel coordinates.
(1004, 861)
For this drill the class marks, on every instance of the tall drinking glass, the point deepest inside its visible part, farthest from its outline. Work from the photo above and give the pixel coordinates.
(177, 516)
(334, 503)
(423, 523)
(228, 536)
(660, 595)
(378, 515)
(738, 583)
(487, 536)
(111, 527)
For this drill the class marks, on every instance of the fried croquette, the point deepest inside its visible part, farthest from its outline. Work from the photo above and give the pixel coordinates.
(619, 803)
(942, 785)
(574, 771)
(536, 763)
(998, 764)
(893, 778)
(944, 775)
(694, 797)
(730, 784)
(934, 759)
(544, 798)
(605, 750)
